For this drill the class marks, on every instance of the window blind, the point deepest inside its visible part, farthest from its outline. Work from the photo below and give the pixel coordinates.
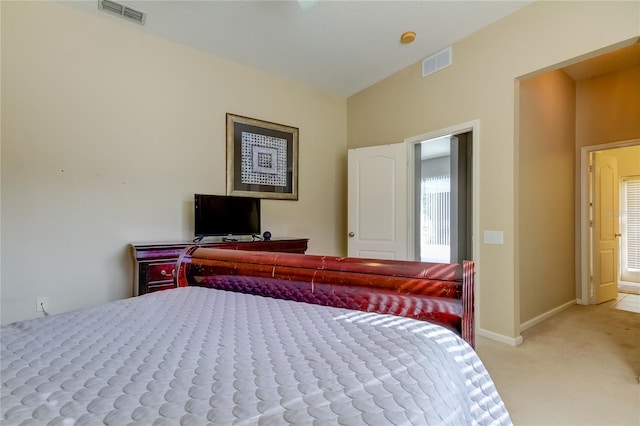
(632, 207)
(436, 210)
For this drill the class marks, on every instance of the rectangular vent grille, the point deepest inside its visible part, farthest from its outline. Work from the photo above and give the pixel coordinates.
(436, 62)
(126, 12)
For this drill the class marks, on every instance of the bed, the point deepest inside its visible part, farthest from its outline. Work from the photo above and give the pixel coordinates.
(257, 338)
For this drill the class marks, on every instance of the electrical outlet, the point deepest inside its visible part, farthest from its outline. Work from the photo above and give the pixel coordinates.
(42, 304)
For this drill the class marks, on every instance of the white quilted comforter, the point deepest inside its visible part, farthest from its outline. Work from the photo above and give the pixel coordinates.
(199, 356)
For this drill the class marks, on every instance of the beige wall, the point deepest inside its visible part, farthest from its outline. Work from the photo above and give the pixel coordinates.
(108, 132)
(628, 160)
(546, 194)
(608, 108)
(481, 84)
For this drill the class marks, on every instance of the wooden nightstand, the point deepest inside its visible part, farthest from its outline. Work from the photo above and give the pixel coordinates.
(155, 262)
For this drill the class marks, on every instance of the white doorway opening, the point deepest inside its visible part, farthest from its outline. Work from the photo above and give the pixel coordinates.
(415, 187)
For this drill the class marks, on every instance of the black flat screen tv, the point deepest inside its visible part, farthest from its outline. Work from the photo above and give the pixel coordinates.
(221, 215)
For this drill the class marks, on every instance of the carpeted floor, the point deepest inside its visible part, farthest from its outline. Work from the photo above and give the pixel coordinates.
(580, 367)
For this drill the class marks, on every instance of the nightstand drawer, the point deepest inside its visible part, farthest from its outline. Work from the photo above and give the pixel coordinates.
(156, 286)
(161, 271)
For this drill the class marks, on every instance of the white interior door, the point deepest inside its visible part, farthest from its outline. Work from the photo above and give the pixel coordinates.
(605, 228)
(377, 202)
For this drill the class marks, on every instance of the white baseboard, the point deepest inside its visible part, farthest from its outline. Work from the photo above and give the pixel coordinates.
(548, 314)
(515, 341)
(512, 341)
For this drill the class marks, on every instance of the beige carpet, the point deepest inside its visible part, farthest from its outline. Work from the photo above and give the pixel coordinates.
(579, 367)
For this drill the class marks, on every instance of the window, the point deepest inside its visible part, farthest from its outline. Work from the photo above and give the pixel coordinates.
(435, 219)
(630, 221)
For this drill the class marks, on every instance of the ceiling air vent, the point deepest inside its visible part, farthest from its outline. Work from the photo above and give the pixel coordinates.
(436, 62)
(122, 10)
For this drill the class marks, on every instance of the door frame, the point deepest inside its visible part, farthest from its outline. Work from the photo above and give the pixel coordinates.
(583, 257)
(469, 126)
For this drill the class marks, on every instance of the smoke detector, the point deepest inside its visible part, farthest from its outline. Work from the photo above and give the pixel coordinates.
(407, 37)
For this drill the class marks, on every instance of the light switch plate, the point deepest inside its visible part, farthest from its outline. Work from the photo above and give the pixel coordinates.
(493, 237)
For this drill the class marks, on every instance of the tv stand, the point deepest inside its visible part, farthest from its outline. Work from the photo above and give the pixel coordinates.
(154, 263)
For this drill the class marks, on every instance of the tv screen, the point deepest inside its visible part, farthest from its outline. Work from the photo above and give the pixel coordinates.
(225, 215)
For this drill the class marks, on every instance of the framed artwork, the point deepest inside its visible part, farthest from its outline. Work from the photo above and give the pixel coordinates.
(262, 159)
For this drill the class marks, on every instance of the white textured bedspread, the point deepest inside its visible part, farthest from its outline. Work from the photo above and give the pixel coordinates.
(199, 356)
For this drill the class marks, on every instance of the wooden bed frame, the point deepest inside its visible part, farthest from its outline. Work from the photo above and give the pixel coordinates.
(436, 292)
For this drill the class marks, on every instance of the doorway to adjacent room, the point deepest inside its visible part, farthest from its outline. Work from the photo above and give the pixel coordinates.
(443, 201)
(610, 220)
(443, 187)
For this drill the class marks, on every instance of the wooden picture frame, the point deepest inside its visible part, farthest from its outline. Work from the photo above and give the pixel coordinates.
(262, 159)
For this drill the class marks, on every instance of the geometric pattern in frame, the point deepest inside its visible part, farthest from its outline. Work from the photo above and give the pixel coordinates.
(264, 160)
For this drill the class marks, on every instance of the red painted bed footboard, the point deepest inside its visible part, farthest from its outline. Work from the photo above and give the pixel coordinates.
(437, 292)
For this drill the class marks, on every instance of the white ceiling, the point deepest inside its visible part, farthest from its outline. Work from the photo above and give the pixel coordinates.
(339, 46)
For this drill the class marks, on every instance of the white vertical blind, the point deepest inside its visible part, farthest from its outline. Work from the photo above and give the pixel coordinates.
(436, 210)
(632, 207)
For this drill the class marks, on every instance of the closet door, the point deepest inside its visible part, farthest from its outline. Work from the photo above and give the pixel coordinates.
(377, 202)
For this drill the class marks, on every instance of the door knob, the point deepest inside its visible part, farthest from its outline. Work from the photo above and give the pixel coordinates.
(617, 235)
(351, 235)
